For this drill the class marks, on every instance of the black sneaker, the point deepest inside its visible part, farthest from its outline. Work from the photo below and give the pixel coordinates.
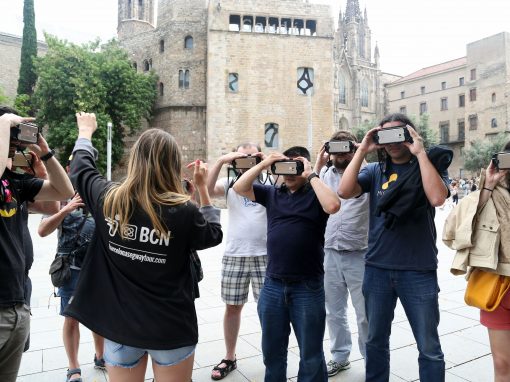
(334, 367)
(99, 363)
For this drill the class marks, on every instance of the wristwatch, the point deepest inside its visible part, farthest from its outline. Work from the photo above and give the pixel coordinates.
(47, 156)
(312, 175)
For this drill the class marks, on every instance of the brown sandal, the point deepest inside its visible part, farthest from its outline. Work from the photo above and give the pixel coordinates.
(224, 371)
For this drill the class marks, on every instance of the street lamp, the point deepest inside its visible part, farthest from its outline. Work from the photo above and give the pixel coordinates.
(109, 151)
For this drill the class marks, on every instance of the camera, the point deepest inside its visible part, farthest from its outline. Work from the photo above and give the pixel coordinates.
(22, 160)
(339, 147)
(245, 163)
(501, 160)
(287, 167)
(397, 134)
(25, 132)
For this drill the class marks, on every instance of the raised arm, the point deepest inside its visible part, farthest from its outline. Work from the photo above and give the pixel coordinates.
(349, 186)
(217, 188)
(58, 186)
(7, 121)
(327, 197)
(492, 178)
(244, 185)
(40, 206)
(51, 223)
(433, 185)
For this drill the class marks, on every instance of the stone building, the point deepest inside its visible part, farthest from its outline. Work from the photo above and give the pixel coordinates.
(466, 98)
(275, 73)
(10, 62)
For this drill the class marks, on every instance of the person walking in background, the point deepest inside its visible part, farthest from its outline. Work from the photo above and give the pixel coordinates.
(75, 228)
(245, 258)
(344, 259)
(401, 260)
(136, 286)
(488, 249)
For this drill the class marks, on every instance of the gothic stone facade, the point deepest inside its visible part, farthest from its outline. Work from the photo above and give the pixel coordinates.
(275, 73)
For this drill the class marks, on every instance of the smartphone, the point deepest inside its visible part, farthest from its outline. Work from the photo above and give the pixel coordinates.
(288, 167)
(339, 147)
(25, 132)
(245, 163)
(22, 160)
(397, 134)
(501, 160)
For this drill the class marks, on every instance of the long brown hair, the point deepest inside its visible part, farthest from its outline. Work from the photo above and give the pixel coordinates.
(153, 180)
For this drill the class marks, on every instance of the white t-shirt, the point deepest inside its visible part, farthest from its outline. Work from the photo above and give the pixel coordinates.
(247, 225)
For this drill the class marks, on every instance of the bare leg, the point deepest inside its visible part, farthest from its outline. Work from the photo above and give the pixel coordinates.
(98, 345)
(499, 340)
(176, 373)
(231, 325)
(122, 374)
(71, 337)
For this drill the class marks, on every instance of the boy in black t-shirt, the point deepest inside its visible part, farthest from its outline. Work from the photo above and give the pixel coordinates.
(293, 292)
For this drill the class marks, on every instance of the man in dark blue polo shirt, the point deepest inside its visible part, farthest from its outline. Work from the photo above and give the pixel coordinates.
(293, 291)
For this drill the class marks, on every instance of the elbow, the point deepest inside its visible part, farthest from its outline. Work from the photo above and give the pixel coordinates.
(437, 202)
(332, 207)
(42, 232)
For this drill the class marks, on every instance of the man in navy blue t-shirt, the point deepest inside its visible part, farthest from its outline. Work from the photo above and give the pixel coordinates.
(401, 260)
(293, 292)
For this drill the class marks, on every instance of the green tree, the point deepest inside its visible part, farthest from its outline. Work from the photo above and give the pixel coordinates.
(27, 76)
(479, 154)
(4, 100)
(93, 78)
(422, 125)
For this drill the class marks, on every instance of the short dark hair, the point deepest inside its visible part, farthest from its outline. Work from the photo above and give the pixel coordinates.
(7, 110)
(343, 135)
(297, 151)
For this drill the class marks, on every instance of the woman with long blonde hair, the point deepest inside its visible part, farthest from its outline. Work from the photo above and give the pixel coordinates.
(136, 285)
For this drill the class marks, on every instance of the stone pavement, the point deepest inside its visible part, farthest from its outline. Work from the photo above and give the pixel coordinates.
(464, 341)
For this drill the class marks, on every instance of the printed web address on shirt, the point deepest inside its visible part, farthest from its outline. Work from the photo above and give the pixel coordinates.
(136, 256)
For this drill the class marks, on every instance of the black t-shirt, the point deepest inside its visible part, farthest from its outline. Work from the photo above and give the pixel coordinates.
(13, 262)
(138, 291)
(296, 223)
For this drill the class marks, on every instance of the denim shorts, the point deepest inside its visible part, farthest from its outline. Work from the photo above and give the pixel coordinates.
(128, 357)
(66, 291)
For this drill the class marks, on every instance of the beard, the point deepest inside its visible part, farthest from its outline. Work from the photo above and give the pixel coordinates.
(341, 164)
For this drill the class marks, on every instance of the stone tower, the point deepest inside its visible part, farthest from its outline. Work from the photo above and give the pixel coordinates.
(175, 48)
(358, 86)
(135, 16)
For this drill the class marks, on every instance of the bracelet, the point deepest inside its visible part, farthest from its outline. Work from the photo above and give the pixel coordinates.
(312, 175)
(48, 155)
(488, 189)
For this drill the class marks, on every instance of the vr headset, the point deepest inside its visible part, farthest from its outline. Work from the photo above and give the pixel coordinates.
(287, 167)
(339, 147)
(397, 134)
(501, 160)
(245, 163)
(25, 133)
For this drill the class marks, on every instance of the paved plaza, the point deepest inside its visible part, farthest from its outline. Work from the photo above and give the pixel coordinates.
(465, 342)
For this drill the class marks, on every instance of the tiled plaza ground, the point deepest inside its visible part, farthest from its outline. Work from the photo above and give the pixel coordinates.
(464, 341)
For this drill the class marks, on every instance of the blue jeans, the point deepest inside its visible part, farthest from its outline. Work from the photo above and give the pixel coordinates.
(301, 304)
(418, 293)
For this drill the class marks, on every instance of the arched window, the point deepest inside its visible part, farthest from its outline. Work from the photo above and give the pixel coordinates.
(342, 96)
(188, 42)
(135, 66)
(186, 79)
(161, 46)
(364, 94)
(140, 9)
(493, 97)
(146, 66)
(161, 89)
(129, 5)
(494, 122)
(271, 135)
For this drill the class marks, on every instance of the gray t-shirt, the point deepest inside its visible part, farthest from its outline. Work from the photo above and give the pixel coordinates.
(347, 230)
(247, 228)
